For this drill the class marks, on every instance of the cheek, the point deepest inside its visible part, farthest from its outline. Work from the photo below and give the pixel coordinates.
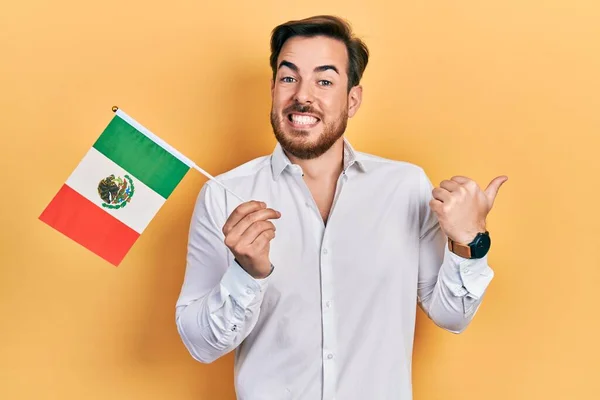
(281, 96)
(333, 108)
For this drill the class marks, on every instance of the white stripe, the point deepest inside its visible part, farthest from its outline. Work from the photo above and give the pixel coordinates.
(94, 167)
(154, 138)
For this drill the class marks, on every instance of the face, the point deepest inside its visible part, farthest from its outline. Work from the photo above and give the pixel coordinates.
(310, 99)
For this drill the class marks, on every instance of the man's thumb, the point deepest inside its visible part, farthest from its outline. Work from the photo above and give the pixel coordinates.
(492, 190)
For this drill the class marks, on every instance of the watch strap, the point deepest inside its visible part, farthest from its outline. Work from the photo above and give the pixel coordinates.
(459, 249)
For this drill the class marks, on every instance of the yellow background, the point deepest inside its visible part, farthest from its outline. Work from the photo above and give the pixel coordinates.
(458, 87)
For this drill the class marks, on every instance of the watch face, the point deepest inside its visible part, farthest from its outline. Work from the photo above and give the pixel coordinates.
(481, 246)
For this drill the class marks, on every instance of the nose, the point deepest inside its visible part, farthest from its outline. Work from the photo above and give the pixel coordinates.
(304, 94)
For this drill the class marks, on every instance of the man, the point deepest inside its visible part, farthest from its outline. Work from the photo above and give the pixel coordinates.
(326, 308)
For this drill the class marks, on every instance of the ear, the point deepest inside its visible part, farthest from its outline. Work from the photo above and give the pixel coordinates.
(272, 86)
(354, 100)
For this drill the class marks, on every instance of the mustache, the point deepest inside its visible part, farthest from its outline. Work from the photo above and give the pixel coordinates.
(302, 109)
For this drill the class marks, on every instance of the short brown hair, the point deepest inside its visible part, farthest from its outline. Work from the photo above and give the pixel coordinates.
(329, 26)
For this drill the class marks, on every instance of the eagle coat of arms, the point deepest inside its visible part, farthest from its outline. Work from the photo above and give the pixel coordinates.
(116, 192)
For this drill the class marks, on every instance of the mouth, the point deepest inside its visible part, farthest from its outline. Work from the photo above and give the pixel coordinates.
(302, 121)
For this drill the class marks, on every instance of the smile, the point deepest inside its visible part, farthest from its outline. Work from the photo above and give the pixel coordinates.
(302, 120)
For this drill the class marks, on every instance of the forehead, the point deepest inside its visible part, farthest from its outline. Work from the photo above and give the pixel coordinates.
(308, 53)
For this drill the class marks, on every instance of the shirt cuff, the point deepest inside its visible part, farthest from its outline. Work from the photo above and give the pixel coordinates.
(475, 274)
(242, 287)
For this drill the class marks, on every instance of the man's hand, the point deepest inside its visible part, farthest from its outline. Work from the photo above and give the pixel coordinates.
(248, 235)
(462, 207)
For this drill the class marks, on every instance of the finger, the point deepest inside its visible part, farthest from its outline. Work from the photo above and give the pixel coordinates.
(492, 190)
(441, 194)
(238, 230)
(450, 186)
(461, 179)
(263, 239)
(240, 212)
(254, 231)
(436, 206)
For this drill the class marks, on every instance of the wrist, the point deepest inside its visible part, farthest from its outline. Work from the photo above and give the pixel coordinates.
(256, 274)
(468, 236)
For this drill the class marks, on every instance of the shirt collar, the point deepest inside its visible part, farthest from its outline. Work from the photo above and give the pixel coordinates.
(280, 161)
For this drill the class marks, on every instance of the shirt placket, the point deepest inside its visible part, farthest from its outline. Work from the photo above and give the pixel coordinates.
(327, 305)
(330, 364)
(328, 323)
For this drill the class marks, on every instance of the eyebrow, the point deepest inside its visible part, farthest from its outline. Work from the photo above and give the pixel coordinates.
(320, 68)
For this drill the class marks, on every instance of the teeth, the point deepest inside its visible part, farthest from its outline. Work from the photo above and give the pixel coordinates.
(303, 119)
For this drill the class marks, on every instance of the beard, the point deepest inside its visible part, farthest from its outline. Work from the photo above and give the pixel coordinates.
(296, 142)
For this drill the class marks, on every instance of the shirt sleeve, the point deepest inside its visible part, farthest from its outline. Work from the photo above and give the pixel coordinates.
(219, 302)
(450, 288)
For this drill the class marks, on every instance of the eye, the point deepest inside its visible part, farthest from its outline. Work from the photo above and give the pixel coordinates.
(324, 82)
(287, 79)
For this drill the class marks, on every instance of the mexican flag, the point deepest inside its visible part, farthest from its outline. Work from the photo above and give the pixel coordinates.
(117, 188)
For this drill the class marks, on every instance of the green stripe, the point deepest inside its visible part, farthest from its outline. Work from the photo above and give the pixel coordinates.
(141, 156)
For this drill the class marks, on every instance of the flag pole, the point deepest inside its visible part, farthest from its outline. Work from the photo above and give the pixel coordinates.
(209, 176)
(203, 172)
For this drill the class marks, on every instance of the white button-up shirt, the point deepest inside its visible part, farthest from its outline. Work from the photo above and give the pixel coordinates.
(336, 317)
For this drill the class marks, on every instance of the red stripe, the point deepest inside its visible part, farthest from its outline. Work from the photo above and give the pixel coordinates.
(83, 221)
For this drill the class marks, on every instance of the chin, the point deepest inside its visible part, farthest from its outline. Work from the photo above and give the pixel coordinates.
(303, 135)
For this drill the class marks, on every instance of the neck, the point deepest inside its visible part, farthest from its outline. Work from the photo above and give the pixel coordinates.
(328, 165)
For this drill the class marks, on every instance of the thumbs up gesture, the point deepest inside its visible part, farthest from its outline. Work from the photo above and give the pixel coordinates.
(462, 207)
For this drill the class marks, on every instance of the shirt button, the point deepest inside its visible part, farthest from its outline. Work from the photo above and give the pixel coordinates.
(248, 291)
(307, 204)
(467, 271)
(329, 356)
(328, 304)
(324, 251)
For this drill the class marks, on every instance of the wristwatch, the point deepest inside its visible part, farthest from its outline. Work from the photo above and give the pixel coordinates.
(478, 248)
